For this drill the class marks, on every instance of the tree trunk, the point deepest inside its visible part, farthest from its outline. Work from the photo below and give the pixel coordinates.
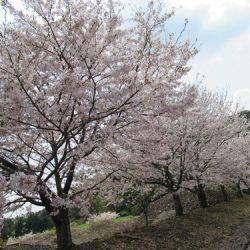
(177, 204)
(202, 197)
(145, 212)
(63, 233)
(238, 190)
(224, 193)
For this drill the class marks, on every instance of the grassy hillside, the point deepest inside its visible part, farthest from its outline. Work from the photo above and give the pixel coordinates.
(222, 226)
(81, 232)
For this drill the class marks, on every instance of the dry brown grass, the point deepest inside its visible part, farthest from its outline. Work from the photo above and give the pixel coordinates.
(222, 226)
(80, 233)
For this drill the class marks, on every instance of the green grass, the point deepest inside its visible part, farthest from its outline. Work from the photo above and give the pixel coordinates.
(48, 232)
(124, 218)
(80, 225)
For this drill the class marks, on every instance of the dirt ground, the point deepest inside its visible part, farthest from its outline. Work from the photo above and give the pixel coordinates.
(221, 226)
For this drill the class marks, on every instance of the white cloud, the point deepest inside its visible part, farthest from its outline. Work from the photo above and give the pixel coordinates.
(242, 96)
(228, 68)
(215, 13)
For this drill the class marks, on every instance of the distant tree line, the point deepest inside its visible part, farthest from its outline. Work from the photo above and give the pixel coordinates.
(29, 223)
(41, 221)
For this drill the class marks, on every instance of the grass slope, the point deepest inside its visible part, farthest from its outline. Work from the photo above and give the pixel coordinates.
(81, 233)
(223, 226)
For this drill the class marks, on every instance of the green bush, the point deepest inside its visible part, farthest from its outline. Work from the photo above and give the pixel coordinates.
(97, 205)
(32, 222)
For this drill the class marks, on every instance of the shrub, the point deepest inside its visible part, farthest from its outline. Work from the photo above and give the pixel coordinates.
(103, 217)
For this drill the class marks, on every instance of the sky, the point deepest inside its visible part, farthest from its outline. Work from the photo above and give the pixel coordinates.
(222, 28)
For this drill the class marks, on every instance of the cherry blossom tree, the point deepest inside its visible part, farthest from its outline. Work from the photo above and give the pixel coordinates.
(215, 124)
(185, 149)
(123, 188)
(2, 200)
(154, 150)
(72, 75)
(236, 163)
